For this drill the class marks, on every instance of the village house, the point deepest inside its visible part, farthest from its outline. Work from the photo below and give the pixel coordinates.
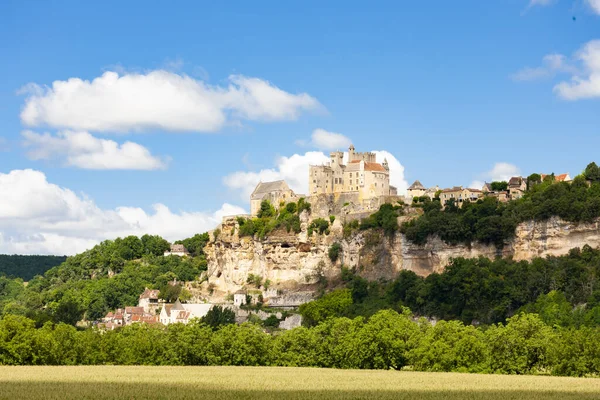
(149, 300)
(177, 250)
(362, 175)
(517, 186)
(275, 192)
(182, 313)
(559, 178)
(460, 195)
(239, 298)
(418, 190)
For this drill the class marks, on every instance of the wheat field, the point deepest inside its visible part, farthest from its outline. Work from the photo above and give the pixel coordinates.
(215, 383)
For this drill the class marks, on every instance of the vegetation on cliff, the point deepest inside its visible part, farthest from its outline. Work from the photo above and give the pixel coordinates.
(493, 222)
(269, 219)
(563, 290)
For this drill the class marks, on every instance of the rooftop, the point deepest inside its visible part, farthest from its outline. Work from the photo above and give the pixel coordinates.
(264, 188)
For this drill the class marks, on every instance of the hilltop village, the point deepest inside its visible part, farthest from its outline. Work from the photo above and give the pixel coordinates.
(343, 190)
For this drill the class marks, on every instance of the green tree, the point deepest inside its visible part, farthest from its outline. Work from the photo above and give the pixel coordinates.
(219, 316)
(499, 186)
(330, 305)
(334, 251)
(592, 172)
(266, 210)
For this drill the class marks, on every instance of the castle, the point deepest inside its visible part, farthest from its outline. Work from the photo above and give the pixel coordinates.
(361, 181)
(361, 175)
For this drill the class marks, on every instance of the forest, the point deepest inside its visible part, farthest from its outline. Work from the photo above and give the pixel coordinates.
(26, 267)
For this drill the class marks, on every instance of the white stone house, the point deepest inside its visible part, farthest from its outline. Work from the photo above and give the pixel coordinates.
(182, 313)
(149, 300)
(239, 298)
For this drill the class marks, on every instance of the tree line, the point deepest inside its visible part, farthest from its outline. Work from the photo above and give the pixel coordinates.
(26, 267)
(386, 340)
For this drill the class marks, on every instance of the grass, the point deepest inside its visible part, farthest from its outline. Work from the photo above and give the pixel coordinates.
(216, 383)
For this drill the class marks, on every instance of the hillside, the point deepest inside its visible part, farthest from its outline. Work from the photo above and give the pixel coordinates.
(26, 267)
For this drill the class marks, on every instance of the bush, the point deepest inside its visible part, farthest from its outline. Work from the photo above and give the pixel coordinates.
(319, 225)
(334, 251)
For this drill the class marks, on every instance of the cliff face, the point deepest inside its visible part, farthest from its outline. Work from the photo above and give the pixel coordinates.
(293, 261)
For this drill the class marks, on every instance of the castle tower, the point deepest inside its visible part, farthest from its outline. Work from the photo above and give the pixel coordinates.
(351, 153)
(385, 164)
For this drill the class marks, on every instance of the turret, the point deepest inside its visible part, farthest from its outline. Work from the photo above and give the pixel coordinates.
(385, 164)
(351, 153)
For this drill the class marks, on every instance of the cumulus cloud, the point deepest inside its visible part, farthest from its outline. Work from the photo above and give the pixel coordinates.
(586, 84)
(325, 140)
(584, 68)
(82, 150)
(38, 217)
(158, 100)
(501, 171)
(551, 65)
(594, 5)
(294, 170)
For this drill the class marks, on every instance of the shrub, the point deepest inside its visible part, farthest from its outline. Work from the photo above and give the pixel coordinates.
(319, 225)
(334, 251)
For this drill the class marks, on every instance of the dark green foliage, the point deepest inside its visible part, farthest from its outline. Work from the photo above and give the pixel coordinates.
(287, 217)
(350, 227)
(592, 172)
(303, 205)
(334, 251)
(499, 186)
(266, 210)
(219, 316)
(386, 218)
(318, 225)
(26, 267)
(271, 322)
(195, 245)
(533, 180)
(154, 245)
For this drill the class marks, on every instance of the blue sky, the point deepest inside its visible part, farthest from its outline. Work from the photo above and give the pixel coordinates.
(450, 89)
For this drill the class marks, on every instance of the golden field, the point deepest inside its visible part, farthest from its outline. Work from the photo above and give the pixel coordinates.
(215, 383)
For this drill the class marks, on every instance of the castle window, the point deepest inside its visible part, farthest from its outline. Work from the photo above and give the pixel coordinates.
(350, 175)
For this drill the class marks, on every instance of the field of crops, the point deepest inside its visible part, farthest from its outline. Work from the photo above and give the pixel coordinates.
(215, 383)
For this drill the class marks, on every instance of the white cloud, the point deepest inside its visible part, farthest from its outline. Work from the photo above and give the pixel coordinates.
(594, 5)
(551, 65)
(586, 84)
(82, 150)
(501, 171)
(158, 100)
(294, 170)
(325, 140)
(38, 217)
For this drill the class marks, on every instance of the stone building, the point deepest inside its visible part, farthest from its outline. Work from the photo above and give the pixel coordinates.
(415, 190)
(182, 313)
(361, 175)
(460, 195)
(177, 250)
(275, 192)
(149, 300)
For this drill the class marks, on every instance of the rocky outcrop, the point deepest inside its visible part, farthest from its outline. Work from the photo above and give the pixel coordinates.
(294, 262)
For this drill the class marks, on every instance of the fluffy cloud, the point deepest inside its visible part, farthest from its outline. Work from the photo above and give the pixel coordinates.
(38, 217)
(500, 172)
(584, 69)
(158, 100)
(294, 170)
(583, 85)
(325, 140)
(594, 5)
(82, 150)
(551, 65)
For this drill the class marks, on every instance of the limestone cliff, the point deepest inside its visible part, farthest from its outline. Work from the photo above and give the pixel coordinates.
(297, 261)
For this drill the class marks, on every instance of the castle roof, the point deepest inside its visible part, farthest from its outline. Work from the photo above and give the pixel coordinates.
(150, 294)
(371, 166)
(416, 185)
(264, 188)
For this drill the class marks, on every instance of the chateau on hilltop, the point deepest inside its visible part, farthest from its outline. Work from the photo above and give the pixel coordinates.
(362, 175)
